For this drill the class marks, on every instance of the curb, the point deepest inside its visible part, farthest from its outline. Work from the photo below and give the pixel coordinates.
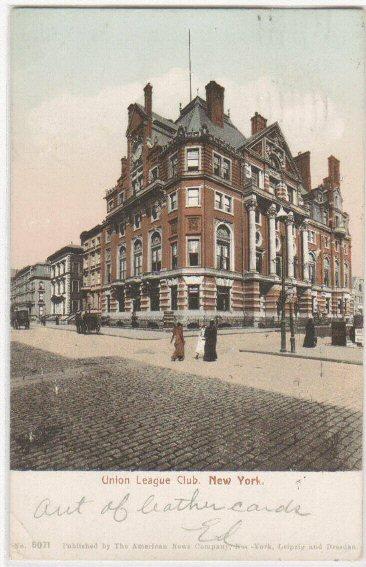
(292, 355)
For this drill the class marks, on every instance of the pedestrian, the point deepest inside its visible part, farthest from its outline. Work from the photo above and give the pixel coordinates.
(310, 339)
(57, 320)
(210, 342)
(43, 320)
(200, 347)
(178, 338)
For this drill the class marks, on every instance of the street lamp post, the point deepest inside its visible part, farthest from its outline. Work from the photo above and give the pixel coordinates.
(283, 295)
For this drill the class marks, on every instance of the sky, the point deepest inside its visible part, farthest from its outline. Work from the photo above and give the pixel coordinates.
(75, 71)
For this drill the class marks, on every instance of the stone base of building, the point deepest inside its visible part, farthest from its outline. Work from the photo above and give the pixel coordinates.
(196, 299)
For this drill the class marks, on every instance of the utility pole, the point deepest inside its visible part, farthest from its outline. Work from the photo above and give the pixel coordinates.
(190, 65)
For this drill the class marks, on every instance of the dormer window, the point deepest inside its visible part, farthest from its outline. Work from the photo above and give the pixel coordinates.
(120, 198)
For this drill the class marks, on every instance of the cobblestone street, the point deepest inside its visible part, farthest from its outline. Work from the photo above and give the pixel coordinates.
(112, 413)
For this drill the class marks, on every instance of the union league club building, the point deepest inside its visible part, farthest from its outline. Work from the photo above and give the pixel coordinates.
(196, 223)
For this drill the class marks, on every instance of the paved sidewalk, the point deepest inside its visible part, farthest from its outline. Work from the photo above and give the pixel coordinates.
(155, 334)
(325, 382)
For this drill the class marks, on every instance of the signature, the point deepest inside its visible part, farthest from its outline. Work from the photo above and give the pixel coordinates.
(205, 532)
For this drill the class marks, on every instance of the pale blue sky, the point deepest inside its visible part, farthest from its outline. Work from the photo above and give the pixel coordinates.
(75, 71)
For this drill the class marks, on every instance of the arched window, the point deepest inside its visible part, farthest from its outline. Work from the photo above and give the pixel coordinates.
(223, 247)
(137, 257)
(312, 267)
(122, 263)
(346, 275)
(155, 252)
(326, 268)
(336, 273)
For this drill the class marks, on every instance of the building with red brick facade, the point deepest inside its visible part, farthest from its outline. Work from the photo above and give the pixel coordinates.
(192, 226)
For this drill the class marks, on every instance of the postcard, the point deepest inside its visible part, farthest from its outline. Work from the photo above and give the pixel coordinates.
(186, 283)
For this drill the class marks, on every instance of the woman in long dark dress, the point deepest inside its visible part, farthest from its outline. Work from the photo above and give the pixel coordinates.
(210, 342)
(310, 334)
(178, 338)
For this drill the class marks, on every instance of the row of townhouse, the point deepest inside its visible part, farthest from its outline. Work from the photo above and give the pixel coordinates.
(52, 287)
(201, 218)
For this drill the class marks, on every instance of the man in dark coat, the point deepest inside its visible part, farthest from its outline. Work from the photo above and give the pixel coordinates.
(210, 342)
(310, 334)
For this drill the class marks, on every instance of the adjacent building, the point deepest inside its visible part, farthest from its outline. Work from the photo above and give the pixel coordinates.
(66, 265)
(31, 289)
(91, 287)
(201, 218)
(357, 292)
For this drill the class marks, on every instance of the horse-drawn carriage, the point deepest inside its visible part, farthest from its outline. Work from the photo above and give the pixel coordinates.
(87, 322)
(20, 319)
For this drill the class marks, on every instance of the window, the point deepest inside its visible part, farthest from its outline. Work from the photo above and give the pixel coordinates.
(255, 176)
(110, 205)
(108, 303)
(223, 298)
(174, 249)
(326, 274)
(336, 274)
(122, 263)
(312, 268)
(137, 257)
(346, 275)
(154, 298)
(273, 184)
(193, 197)
(223, 244)
(154, 174)
(193, 297)
(258, 217)
(193, 159)
(259, 262)
(108, 273)
(75, 286)
(155, 252)
(223, 202)
(311, 236)
(174, 297)
(173, 165)
(291, 194)
(120, 198)
(122, 228)
(137, 180)
(193, 252)
(327, 305)
(108, 235)
(222, 166)
(336, 244)
(155, 212)
(137, 221)
(172, 201)
(326, 241)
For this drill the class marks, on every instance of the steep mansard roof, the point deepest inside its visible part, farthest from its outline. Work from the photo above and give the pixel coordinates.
(194, 116)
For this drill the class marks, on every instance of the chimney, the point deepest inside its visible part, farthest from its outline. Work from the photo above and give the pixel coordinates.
(258, 123)
(130, 111)
(215, 103)
(302, 161)
(148, 99)
(123, 165)
(333, 172)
